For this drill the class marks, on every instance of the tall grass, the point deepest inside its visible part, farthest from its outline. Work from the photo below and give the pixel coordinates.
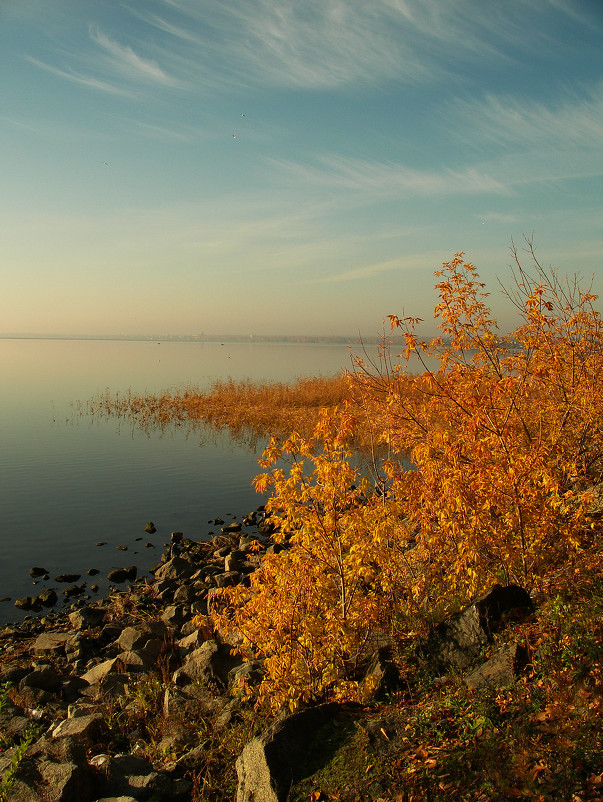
(249, 409)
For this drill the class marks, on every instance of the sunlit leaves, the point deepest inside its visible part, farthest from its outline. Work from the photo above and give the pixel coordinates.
(505, 439)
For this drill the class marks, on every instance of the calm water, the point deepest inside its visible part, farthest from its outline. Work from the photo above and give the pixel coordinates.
(67, 482)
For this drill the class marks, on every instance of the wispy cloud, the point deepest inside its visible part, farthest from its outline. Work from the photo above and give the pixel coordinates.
(329, 43)
(125, 61)
(509, 121)
(88, 81)
(317, 44)
(421, 261)
(389, 179)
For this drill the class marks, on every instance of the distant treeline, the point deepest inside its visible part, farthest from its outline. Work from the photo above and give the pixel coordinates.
(210, 338)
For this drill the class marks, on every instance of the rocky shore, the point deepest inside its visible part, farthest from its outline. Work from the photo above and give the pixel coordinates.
(124, 698)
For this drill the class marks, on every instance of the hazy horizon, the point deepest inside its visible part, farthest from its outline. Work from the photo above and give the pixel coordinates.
(274, 166)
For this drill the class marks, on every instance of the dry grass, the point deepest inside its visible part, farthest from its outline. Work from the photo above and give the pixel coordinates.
(248, 409)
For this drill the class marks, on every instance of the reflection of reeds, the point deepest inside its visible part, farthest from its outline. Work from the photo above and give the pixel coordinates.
(249, 410)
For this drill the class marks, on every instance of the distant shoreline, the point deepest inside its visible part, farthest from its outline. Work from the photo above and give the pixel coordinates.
(203, 338)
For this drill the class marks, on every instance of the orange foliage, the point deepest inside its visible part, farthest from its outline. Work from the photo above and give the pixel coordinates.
(506, 438)
(248, 409)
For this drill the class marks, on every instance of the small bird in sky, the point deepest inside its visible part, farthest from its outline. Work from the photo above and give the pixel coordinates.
(242, 115)
(105, 164)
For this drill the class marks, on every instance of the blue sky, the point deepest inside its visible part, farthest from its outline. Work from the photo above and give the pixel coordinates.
(288, 166)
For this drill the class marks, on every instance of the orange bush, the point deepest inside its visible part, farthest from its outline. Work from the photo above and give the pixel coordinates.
(505, 437)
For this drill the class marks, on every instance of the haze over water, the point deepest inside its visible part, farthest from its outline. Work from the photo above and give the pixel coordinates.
(68, 482)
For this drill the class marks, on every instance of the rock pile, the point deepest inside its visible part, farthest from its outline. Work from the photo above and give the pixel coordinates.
(138, 657)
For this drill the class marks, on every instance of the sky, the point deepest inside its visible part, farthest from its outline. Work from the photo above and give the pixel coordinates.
(297, 167)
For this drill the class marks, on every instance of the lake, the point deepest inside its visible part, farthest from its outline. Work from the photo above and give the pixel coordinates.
(68, 482)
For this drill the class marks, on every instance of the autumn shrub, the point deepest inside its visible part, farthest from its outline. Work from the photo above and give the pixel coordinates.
(314, 607)
(505, 433)
(505, 436)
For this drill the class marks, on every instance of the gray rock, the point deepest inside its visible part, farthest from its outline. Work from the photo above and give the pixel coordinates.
(67, 578)
(74, 590)
(190, 642)
(185, 594)
(50, 644)
(209, 663)
(53, 772)
(382, 676)
(175, 615)
(457, 641)
(501, 669)
(268, 764)
(251, 672)
(48, 598)
(132, 638)
(87, 617)
(176, 568)
(45, 678)
(227, 579)
(100, 670)
(131, 776)
(118, 575)
(26, 603)
(86, 728)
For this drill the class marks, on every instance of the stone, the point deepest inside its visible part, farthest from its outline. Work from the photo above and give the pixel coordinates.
(37, 571)
(150, 528)
(26, 603)
(134, 777)
(184, 594)
(457, 641)
(50, 644)
(87, 617)
(227, 579)
(382, 676)
(137, 661)
(190, 642)
(87, 729)
(74, 590)
(232, 562)
(133, 638)
(100, 670)
(209, 663)
(175, 615)
(267, 766)
(250, 672)
(118, 575)
(176, 568)
(12, 674)
(72, 688)
(67, 577)
(45, 678)
(48, 597)
(501, 669)
(111, 686)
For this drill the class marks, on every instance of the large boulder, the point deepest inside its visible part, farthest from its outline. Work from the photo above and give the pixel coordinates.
(457, 641)
(131, 776)
(52, 772)
(270, 763)
(501, 669)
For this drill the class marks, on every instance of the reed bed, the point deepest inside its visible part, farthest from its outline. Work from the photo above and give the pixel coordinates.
(249, 409)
